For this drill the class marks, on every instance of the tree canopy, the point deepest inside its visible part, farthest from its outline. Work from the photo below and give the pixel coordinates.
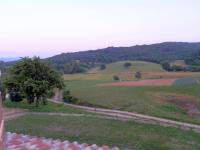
(102, 66)
(33, 80)
(127, 64)
(138, 75)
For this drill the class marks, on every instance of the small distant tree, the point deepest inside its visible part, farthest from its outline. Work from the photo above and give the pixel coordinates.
(138, 75)
(127, 64)
(166, 66)
(32, 79)
(116, 78)
(102, 66)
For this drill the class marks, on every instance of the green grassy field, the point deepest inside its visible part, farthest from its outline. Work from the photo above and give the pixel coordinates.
(118, 67)
(154, 101)
(92, 130)
(149, 71)
(143, 100)
(50, 107)
(136, 99)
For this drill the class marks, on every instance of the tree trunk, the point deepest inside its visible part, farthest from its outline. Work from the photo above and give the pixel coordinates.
(44, 101)
(37, 101)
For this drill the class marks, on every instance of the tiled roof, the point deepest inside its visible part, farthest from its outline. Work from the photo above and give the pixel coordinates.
(25, 142)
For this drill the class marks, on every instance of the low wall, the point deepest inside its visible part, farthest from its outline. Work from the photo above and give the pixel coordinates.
(2, 133)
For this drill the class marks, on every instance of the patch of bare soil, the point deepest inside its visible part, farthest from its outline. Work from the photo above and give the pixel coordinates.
(190, 104)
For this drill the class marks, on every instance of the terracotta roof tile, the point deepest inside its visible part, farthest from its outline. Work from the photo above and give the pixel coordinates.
(25, 142)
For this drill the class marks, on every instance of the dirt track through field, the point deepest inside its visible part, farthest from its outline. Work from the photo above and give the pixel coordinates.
(150, 82)
(124, 115)
(12, 113)
(108, 114)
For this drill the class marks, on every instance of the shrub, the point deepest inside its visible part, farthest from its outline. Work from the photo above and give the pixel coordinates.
(166, 66)
(67, 98)
(74, 100)
(127, 64)
(102, 66)
(138, 75)
(116, 78)
(15, 96)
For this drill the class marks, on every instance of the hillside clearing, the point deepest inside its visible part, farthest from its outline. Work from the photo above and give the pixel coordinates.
(118, 67)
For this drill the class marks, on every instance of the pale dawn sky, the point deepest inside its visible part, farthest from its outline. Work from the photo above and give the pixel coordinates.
(49, 27)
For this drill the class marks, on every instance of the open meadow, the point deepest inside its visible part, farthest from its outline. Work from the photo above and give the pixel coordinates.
(124, 134)
(159, 98)
(158, 93)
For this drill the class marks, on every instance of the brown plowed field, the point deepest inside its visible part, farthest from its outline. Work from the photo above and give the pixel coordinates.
(156, 82)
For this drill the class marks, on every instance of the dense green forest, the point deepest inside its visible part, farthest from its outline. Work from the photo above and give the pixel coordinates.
(194, 59)
(161, 53)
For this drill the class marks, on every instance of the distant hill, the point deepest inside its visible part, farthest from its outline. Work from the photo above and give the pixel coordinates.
(154, 52)
(9, 59)
(158, 53)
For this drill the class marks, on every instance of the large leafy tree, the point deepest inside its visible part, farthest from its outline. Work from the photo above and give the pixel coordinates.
(33, 79)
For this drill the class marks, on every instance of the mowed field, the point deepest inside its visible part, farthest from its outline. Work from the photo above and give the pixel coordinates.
(180, 103)
(124, 134)
(149, 71)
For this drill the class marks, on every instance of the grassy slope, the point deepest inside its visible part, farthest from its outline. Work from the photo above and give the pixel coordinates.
(149, 71)
(129, 135)
(117, 69)
(136, 66)
(137, 99)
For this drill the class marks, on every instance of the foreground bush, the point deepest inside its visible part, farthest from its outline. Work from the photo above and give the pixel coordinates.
(15, 96)
(67, 98)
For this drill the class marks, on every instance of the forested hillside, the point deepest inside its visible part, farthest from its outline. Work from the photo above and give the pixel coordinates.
(162, 53)
(159, 53)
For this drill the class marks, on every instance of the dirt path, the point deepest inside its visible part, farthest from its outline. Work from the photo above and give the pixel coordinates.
(108, 114)
(11, 113)
(78, 115)
(124, 115)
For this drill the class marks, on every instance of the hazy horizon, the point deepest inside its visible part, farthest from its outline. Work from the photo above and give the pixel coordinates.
(46, 27)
